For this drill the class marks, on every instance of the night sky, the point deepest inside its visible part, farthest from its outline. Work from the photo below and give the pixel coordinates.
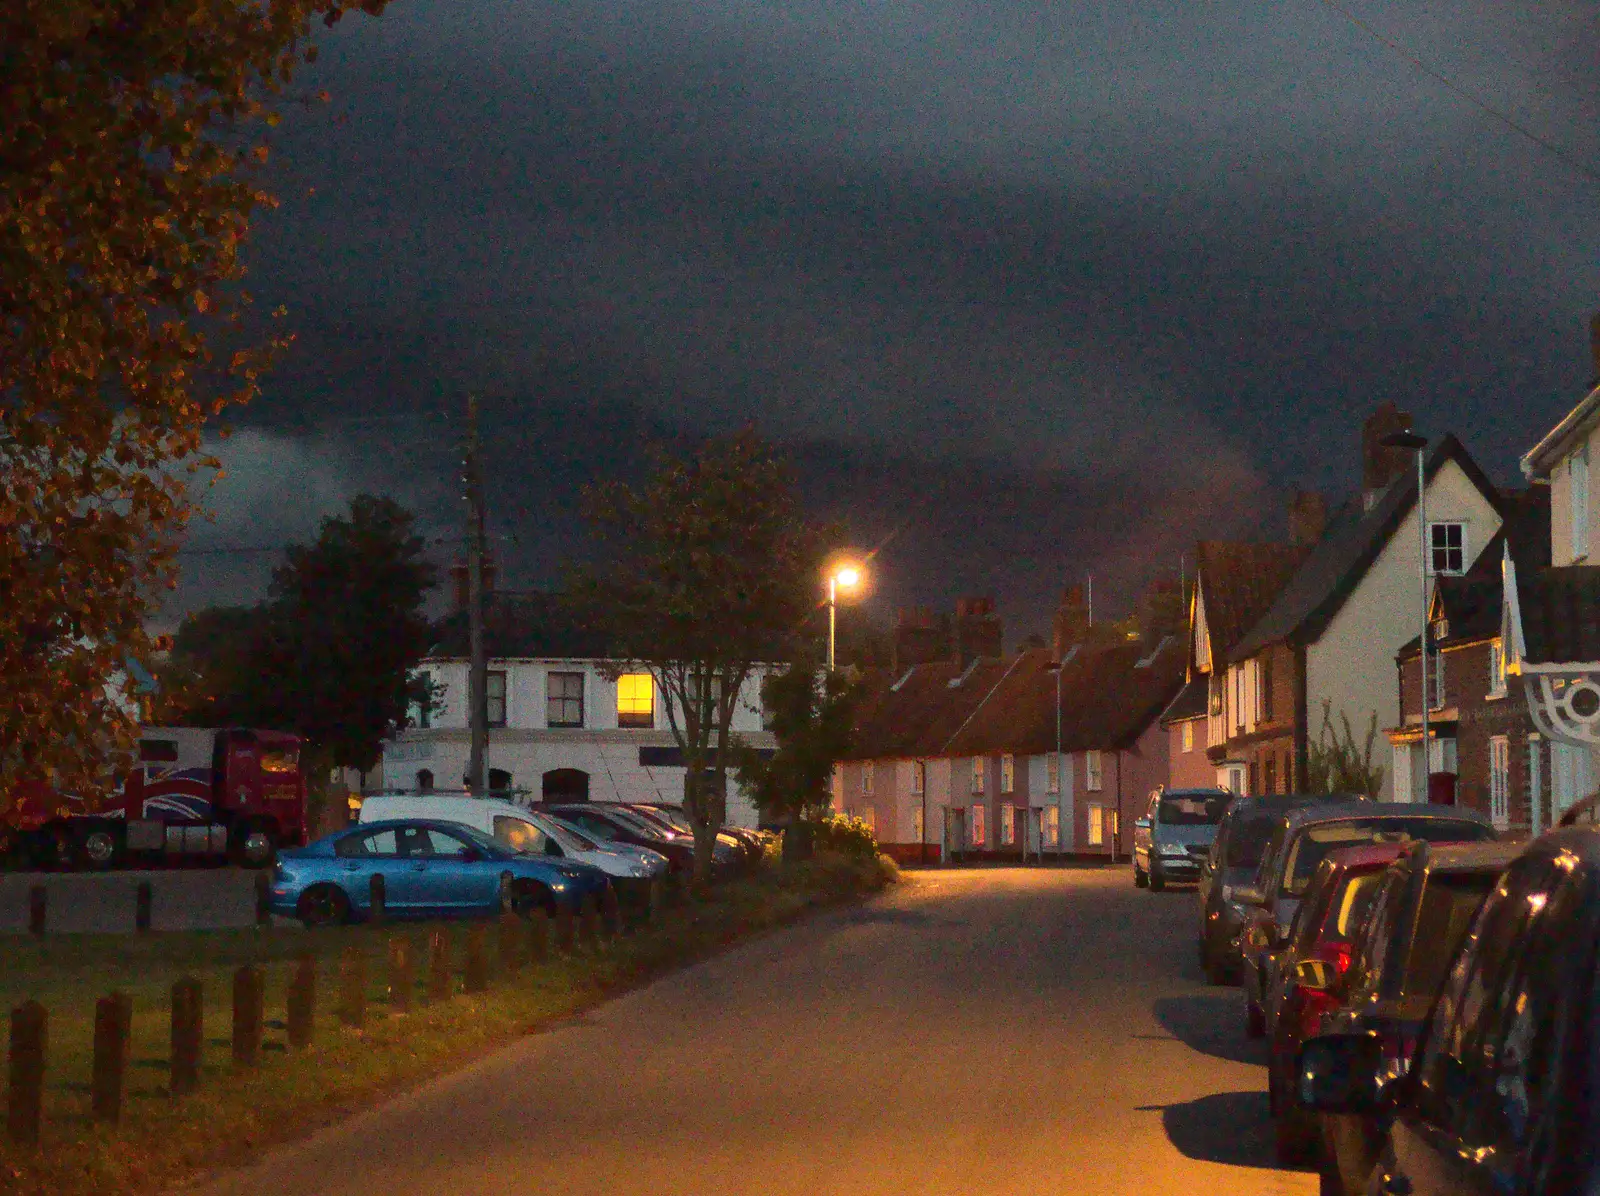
(1026, 289)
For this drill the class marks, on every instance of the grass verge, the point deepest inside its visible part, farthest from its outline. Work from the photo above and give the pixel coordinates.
(235, 1115)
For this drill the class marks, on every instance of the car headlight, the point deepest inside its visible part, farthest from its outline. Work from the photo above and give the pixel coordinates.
(558, 886)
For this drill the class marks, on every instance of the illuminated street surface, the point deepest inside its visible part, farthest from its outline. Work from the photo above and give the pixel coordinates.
(984, 1031)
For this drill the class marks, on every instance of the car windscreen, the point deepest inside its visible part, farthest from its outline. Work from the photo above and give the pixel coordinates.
(1193, 809)
(1247, 839)
(638, 825)
(1448, 904)
(1314, 842)
(1349, 910)
(565, 834)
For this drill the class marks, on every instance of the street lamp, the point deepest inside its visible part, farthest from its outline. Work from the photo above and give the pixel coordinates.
(1418, 444)
(844, 577)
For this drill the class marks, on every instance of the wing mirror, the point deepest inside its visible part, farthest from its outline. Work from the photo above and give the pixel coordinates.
(1244, 895)
(1342, 1073)
(1315, 975)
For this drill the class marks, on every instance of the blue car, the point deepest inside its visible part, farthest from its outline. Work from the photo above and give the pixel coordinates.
(430, 869)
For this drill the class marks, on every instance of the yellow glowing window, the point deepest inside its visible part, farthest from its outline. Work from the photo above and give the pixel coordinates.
(636, 700)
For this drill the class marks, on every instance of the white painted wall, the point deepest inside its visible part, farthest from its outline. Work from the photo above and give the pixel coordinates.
(1561, 508)
(1353, 662)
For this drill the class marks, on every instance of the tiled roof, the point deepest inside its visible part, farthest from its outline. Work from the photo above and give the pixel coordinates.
(1190, 702)
(1338, 562)
(521, 624)
(1238, 583)
(1561, 614)
(1109, 696)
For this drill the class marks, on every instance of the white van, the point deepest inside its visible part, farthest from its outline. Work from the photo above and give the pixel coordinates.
(519, 829)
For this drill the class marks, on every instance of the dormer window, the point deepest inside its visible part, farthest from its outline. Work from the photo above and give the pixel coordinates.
(1447, 545)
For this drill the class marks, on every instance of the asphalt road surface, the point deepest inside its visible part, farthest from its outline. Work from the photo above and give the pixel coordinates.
(105, 902)
(984, 1031)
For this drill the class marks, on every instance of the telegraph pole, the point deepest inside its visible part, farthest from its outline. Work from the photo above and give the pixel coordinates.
(478, 679)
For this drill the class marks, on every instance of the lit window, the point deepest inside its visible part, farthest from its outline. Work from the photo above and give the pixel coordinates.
(1093, 770)
(977, 774)
(497, 697)
(977, 828)
(564, 699)
(1008, 773)
(1448, 547)
(636, 700)
(1497, 670)
(1052, 826)
(1008, 825)
(1052, 773)
(1188, 737)
(1095, 820)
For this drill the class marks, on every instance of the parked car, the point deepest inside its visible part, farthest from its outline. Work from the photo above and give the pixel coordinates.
(1176, 832)
(630, 868)
(675, 820)
(1300, 841)
(752, 842)
(1504, 1092)
(1310, 979)
(1419, 918)
(1584, 812)
(430, 869)
(607, 822)
(1233, 860)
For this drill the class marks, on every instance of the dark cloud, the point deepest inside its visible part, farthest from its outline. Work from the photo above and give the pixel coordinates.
(1058, 282)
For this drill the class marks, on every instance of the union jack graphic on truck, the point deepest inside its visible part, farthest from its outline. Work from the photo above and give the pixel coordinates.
(180, 793)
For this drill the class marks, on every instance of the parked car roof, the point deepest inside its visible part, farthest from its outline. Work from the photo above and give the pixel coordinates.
(1468, 857)
(1338, 811)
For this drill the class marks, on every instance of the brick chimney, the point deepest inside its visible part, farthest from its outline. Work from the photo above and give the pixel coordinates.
(919, 637)
(461, 578)
(1071, 622)
(978, 630)
(1379, 463)
(1308, 518)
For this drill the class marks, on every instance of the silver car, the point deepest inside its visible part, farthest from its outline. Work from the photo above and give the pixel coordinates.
(1176, 832)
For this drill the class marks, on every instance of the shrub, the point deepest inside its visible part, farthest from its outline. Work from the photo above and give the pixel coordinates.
(846, 835)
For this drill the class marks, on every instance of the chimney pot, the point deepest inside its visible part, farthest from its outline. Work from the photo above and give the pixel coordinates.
(1381, 464)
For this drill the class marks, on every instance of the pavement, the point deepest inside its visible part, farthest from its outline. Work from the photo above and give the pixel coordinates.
(106, 902)
(994, 1030)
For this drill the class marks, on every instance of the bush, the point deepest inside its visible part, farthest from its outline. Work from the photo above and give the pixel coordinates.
(846, 835)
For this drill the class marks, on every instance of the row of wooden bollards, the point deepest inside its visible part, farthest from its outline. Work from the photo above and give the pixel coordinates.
(519, 941)
(143, 905)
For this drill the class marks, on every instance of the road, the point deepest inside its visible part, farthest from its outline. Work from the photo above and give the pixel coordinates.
(105, 903)
(982, 1031)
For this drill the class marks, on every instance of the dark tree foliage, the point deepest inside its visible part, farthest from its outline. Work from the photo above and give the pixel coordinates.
(811, 714)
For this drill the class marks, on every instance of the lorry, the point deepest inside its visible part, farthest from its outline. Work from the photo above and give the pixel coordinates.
(195, 794)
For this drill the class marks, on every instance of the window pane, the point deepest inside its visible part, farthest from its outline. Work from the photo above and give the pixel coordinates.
(497, 698)
(519, 835)
(636, 700)
(564, 699)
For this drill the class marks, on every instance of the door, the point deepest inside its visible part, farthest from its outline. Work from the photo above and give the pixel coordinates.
(460, 878)
(376, 853)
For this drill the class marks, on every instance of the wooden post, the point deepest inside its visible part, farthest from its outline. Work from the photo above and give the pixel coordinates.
(263, 898)
(249, 991)
(353, 987)
(652, 911)
(378, 895)
(113, 1019)
(143, 904)
(477, 967)
(589, 924)
(25, 1091)
(302, 1002)
(510, 943)
(188, 1029)
(538, 935)
(564, 928)
(610, 912)
(402, 974)
(38, 904)
(441, 984)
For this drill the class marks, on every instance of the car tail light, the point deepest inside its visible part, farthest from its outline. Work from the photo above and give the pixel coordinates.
(1336, 952)
(1314, 1006)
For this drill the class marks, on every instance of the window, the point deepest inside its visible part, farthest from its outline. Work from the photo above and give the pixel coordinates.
(1216, 697)
(496, 681)
(1500, 780)
(977, 831)
(519, 835)
(1238, 697)
(866, 779)
(440, 844)
(1052, 826)
(499, 778)
(1436, 694)
(917, 833)
(636, 700)
(423, 716)
(1578, 501)
(563, 699)
(1447, 543)
(1264, 687)
(1536, 782)
(1497, 669)
(1052, 772)
(360, 847)
(1188, 739)
(1093, 772)
(1008, 773)
(1008, 826)
(424, 780)
(977, 774)
(1095, 819)
(919, 778)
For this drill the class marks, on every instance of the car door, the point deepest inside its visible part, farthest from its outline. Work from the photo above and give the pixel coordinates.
(461, 877)
(1462, 1135)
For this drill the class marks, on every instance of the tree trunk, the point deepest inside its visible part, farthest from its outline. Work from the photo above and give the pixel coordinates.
(705, 831)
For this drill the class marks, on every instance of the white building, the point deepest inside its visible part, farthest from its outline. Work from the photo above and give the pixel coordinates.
(562, 725)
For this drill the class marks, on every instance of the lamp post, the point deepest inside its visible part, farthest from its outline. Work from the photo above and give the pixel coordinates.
(840, 577)
(1418, 445)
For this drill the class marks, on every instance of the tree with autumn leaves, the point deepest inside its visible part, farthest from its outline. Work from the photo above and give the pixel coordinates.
(131, 150)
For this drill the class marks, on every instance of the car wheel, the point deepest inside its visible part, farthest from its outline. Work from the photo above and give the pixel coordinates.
(253, 848)
(99, 849)
(528, 898)
(323, 905)
(1158, 879)
(1139, 877)
(1255, 1022)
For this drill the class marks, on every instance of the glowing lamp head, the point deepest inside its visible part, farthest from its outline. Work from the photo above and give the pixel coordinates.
(847, 577)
